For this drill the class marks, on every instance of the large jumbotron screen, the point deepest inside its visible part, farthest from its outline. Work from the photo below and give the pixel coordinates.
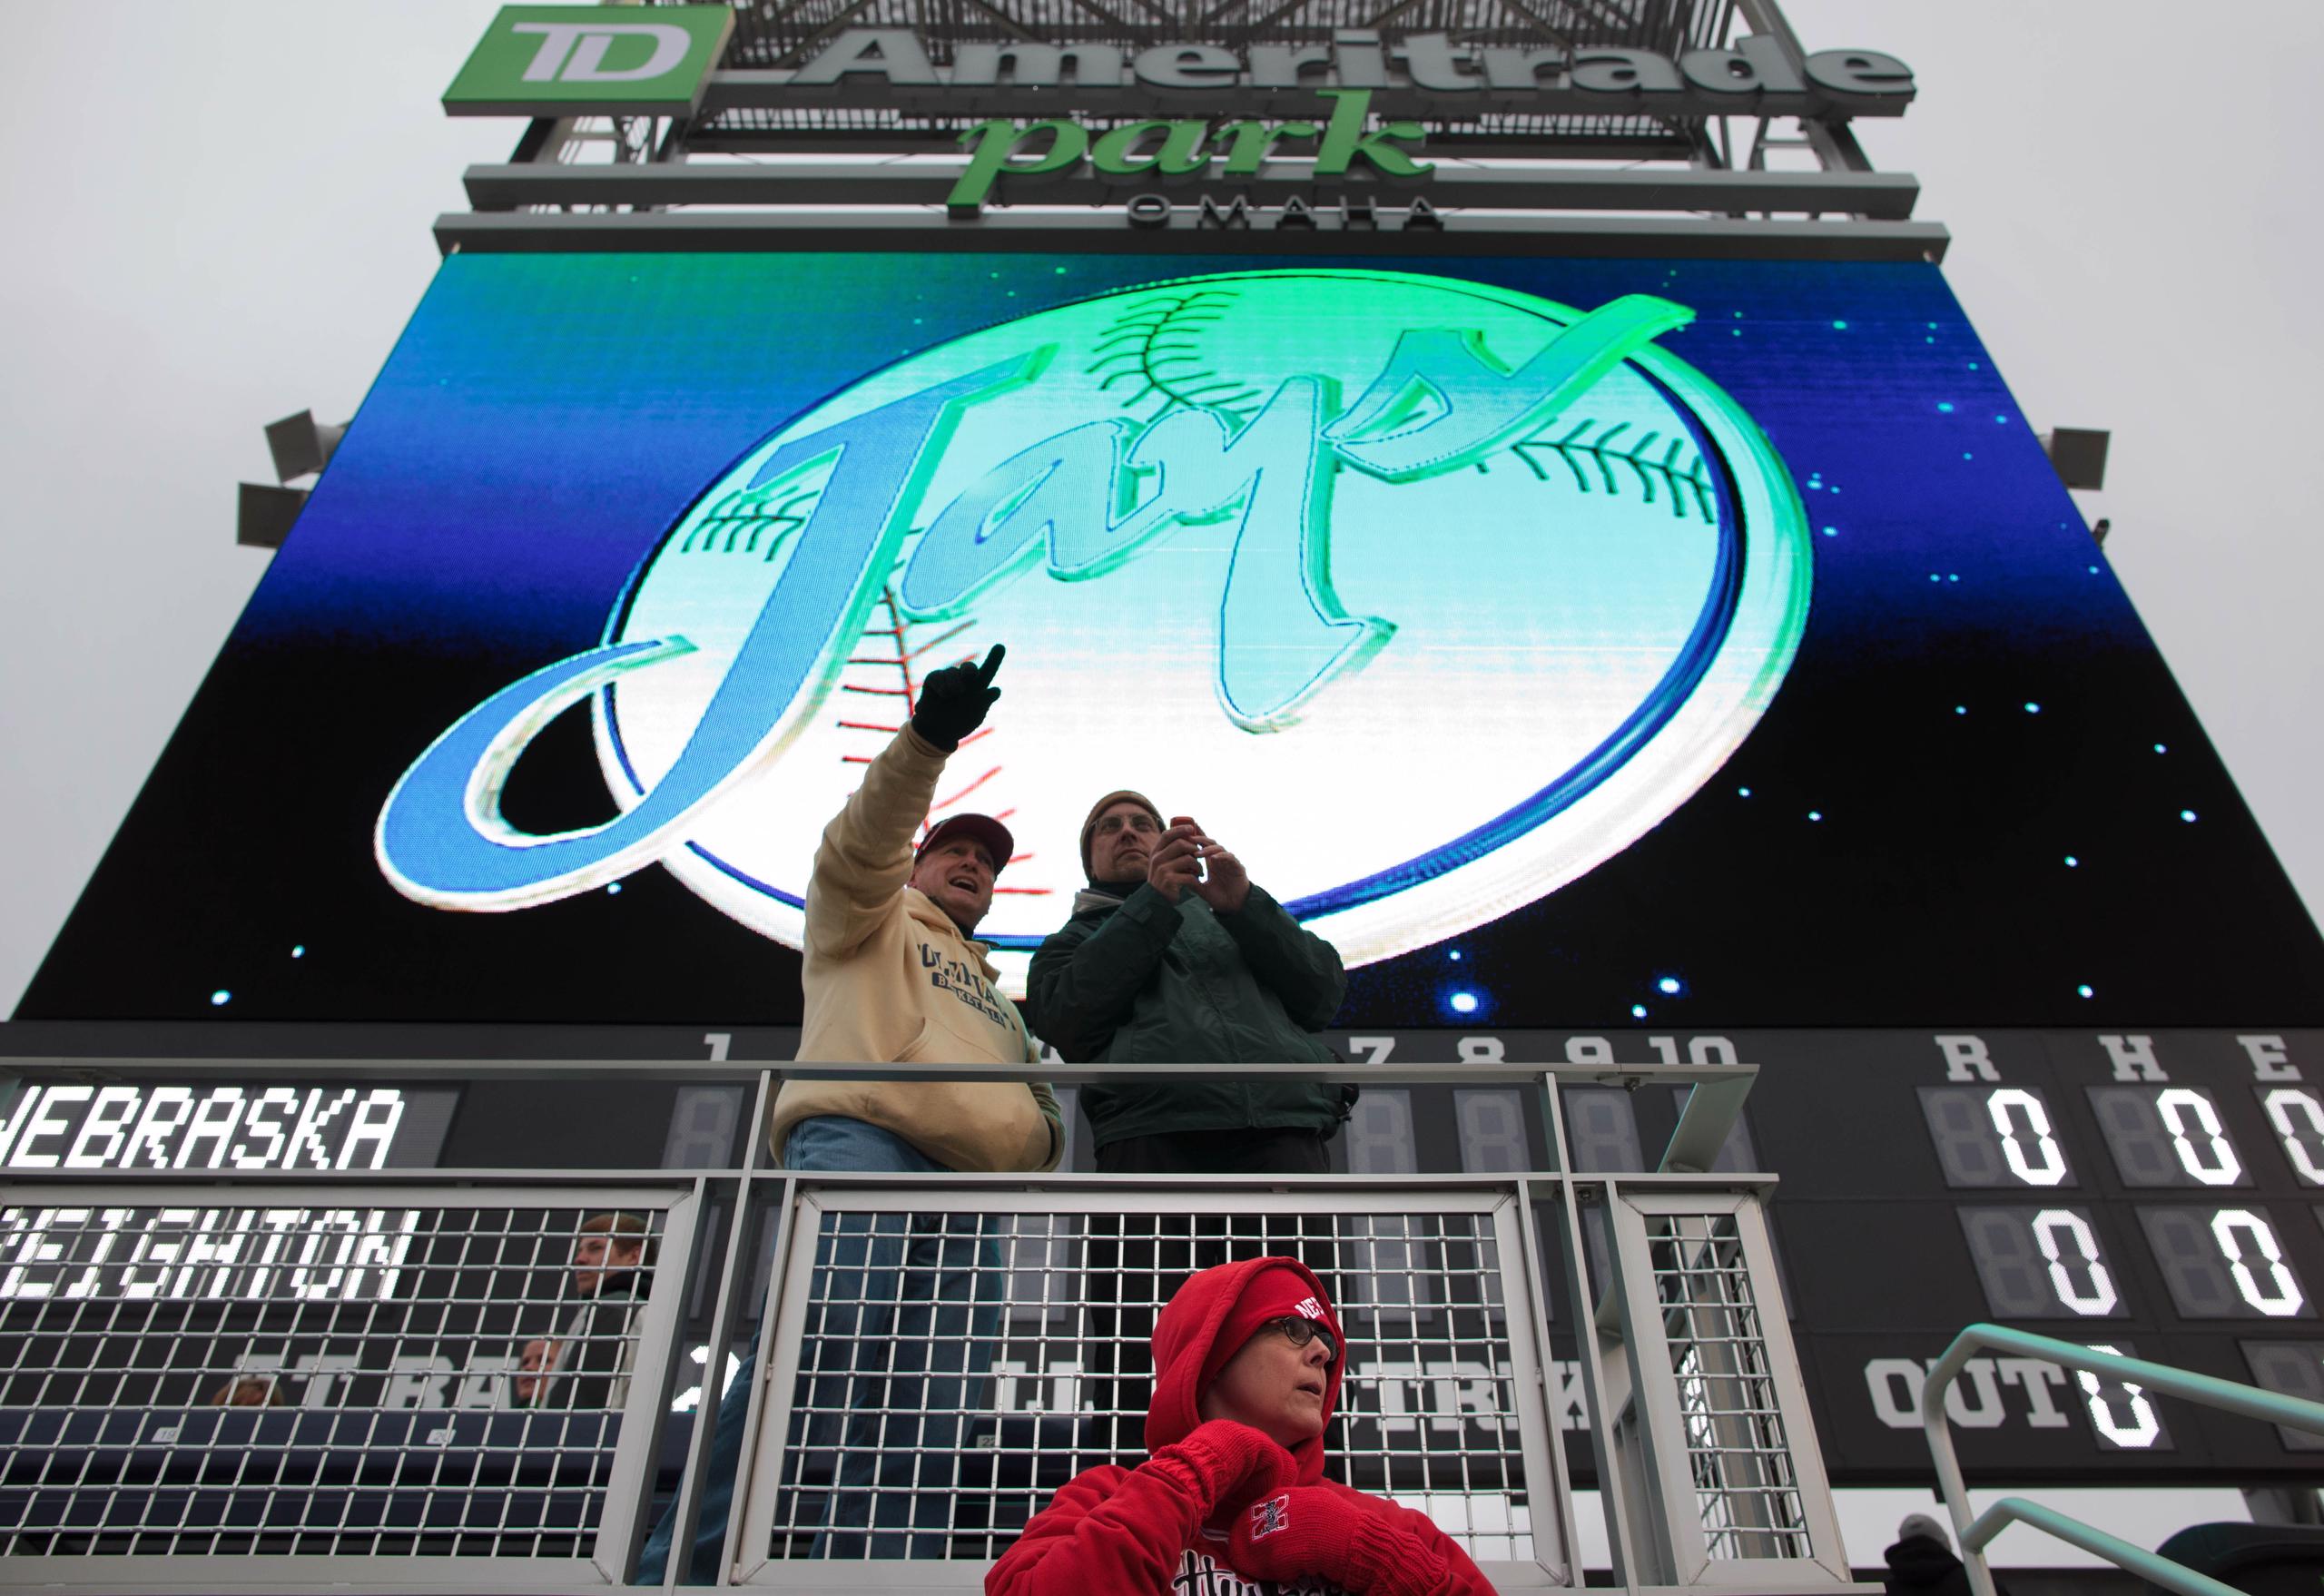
(1575, 643)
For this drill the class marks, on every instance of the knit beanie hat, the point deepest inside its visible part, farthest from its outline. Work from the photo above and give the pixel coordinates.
(1920, 1524)
(1274, 1293)
(1089, 826)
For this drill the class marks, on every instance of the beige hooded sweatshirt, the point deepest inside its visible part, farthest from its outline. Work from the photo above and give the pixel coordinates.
(890, 978)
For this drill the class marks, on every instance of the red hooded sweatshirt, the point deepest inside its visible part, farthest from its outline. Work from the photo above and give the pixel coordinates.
(1169, 1527)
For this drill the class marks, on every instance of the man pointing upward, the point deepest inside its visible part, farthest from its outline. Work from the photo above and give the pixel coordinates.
(893, 976)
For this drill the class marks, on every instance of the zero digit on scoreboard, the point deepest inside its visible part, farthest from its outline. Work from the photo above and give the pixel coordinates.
(2119, 1411)
(2167, 1136)
(2224, 1263)
(2042, 1262)
(1994, 1136)
(2296, 1115)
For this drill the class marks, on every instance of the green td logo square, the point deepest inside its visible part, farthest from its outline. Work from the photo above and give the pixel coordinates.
(583, 60)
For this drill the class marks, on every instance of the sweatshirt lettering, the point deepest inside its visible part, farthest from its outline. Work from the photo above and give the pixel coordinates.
(1199, 1575)
(966, 982)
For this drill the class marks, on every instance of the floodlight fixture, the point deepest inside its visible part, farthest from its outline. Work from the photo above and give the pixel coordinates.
(264, 516)
(2079, 456)
(302, 447)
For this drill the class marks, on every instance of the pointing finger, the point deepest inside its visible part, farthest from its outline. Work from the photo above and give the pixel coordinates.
(991, 664)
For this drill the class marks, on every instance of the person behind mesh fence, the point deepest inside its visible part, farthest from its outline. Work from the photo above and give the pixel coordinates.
(248, 1391)
(906, 1306)
(1232, 1499)
(1174, 956)
(585, 1363)
(531, 1379)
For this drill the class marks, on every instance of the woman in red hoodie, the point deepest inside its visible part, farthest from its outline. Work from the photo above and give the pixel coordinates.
(1249, 1357)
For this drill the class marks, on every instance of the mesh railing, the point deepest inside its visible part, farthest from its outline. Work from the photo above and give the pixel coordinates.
(188, 1377)
(470, 1378)
(954, 1368)
(1745, 1487)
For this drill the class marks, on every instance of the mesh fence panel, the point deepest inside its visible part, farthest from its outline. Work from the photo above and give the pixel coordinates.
(954, 1369)
(389, 1380)
(1746, 1492)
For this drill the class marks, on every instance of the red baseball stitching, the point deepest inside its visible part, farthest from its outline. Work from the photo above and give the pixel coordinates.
(897, 631)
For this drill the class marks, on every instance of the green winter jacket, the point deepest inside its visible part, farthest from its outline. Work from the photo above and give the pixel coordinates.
(1137, 980)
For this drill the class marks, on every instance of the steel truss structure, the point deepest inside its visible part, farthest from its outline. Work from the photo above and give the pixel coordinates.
(769, 164)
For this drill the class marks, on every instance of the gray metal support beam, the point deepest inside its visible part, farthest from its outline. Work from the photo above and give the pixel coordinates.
(927, 180)
(1107, 231)
(1834, 144)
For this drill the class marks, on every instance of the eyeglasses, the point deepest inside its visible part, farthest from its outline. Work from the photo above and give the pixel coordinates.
(1300, 1331)
(1137, 821)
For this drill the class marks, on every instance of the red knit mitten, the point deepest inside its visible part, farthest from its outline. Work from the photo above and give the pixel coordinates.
(1230, 1463)
(1308, 1531)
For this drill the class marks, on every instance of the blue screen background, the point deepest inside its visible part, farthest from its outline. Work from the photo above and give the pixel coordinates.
(1978, 794)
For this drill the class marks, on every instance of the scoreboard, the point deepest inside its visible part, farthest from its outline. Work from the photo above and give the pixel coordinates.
(2159, 1194)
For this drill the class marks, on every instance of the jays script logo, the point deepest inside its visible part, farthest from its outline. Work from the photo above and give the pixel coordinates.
(1425, 597)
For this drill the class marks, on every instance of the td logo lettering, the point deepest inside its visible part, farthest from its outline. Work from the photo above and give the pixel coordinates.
(574, 53)
(1423, 596)
(571, 60)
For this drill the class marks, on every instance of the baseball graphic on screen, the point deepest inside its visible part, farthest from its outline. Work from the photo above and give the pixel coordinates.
(1423, 597)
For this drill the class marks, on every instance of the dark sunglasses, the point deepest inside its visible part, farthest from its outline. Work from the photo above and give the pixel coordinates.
(1299, 1332)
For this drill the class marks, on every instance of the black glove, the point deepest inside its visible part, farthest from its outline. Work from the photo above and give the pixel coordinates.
(953, 700)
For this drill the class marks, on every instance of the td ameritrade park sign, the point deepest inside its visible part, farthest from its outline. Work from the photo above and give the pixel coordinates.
(579, 60)
(1183, 148)
(1755, 76)
(565, 60)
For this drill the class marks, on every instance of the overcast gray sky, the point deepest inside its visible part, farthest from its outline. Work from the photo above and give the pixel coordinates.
(221, 217)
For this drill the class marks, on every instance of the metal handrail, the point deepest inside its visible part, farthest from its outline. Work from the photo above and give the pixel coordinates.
(1399, 1073)
(1975, 1534)
(1713, 1102)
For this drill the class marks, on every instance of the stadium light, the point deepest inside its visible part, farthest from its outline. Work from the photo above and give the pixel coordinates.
(2078, 456)
(300, 446)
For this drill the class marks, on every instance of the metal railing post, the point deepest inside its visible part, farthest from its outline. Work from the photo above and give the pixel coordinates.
(1975, 1533)
(734, 1281)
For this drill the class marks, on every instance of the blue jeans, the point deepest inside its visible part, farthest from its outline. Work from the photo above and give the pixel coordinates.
(898, 1342)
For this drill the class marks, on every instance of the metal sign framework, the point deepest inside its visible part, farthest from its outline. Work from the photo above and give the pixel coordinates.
(778, 157)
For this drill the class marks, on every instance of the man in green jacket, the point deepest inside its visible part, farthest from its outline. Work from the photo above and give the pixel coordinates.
(1173, 956)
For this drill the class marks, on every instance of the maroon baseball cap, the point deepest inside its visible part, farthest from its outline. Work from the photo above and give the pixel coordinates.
(983, 827)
